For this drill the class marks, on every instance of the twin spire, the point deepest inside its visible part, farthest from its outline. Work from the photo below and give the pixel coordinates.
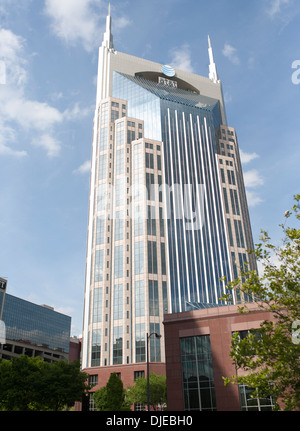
(108, 37)
(108, 43)
(213, 74)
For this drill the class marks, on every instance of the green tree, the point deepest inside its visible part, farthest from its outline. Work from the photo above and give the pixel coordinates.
(137, 394)
(269, 356)
(32, 384)
(112, 396)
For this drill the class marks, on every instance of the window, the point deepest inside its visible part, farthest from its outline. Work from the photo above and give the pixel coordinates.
(222, 175)
(231, 177)
(139, 298)
(118, 302)
(102, 167)
(165, 297)
(118, 261)
(119, 224)
(226, 201)
(139, 374)
(139, 257)
(96, 348)
(100, 230)
(140, 342)
(119, 192)
(120, 134)
(239, 233)
(150, 186)
(250, 402)
(97, 305)
(117, 345)
(93, 379)
(120, 161)
(197, 374)
(151, 221)
(98, 274)
(149, 157)
(152, 257)
(139, 221)
(155, 351)
(234, 202)
(153, 298)
(230, 232)
(103, 139)
(163, 258)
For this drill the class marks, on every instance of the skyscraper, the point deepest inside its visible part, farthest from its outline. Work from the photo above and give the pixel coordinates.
(168, 214)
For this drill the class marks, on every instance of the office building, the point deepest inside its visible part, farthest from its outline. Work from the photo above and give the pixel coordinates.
(33, 330)
(198, 358)
(168, 215)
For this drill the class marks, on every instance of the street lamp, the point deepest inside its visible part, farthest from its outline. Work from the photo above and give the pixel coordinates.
(148, 388)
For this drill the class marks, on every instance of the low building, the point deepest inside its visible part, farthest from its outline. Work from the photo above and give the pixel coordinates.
(198, 346)
(33, 330)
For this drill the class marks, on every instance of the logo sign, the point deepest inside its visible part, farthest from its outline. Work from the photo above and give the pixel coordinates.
(167, 82)
(168, 71)
(3, 284)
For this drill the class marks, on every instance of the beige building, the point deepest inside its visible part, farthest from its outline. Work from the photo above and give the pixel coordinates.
(162, 231)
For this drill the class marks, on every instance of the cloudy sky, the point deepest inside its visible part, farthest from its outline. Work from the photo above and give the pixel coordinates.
(48, 67)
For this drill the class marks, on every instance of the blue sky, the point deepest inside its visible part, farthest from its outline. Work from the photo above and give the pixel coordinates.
(48, 67)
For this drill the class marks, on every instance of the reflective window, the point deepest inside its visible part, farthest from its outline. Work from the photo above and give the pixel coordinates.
(117, 345)
(100, 226)
(97, 305)
(96, 348)
(139, 257)
(98, 273)
(155, 350)
(250, 401)
(35, 324)
(139, 298)
(118, 302)
(119, 225)
(152, 257)
(197, 373)
(153, 298)
(102, 167)
(140, 342)
(118, 261)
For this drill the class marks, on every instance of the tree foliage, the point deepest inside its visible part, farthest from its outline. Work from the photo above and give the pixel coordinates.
(269, 356)
(137, 394)
(32, 384)
(112, 396)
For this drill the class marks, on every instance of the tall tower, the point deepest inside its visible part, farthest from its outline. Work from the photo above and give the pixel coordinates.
(159, 237)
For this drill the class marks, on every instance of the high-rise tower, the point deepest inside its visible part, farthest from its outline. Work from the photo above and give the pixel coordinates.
(168, 214)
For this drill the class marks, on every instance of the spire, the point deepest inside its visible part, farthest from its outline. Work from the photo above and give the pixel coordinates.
(108, 38)
(213, 74)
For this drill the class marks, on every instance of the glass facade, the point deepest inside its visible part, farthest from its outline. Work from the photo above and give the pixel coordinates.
(197, 373)
(196, 231)
(35, 324)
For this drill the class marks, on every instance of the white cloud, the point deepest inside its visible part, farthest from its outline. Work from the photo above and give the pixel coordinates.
(48, 143)
(247, 157)
(231, 53)
(275, 7)
(84, 168)
(11, 47)
(252, 179)
(181, 58)
(77, 112)
(253, 199)
(75, 21)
